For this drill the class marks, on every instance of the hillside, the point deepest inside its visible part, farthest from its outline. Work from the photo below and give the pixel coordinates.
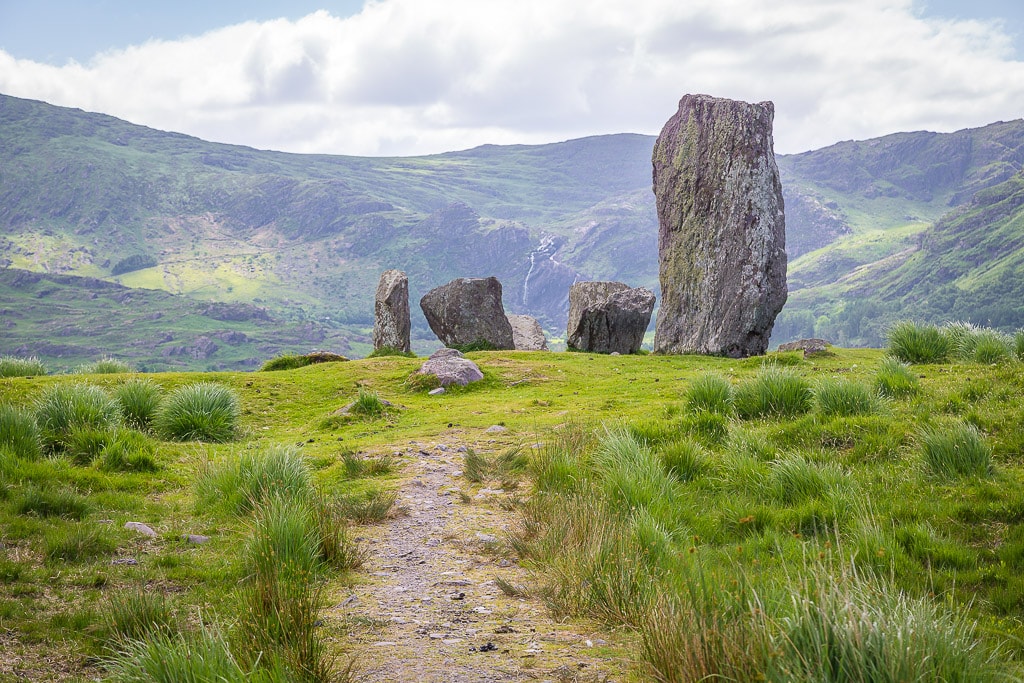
(305, 236)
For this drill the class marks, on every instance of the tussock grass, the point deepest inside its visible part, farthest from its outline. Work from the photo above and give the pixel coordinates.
(920, 343)
(199, 412)
(19, 433)
(356, 466)
(240, 483)
(368, 404)
(66, 409)
(337, 548)
(284, 597)
(957, 450)
(794, 478)
(388, 351)
(475, 467)
(369, 508)
(139, 400)
(775, 392)
(128, 451)
(50, 501)
(845, 398)
(710, 393)
(13, 366)
(685, 460)
(895, 379)
(77, 542)
(137, 614)
(104, 366)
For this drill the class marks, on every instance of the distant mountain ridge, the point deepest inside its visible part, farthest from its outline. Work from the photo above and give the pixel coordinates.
(306, 236)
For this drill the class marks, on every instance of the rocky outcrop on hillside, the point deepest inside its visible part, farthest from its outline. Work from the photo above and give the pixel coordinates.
(468, 312)
(391, 312)
(608, 317)
(722, 231)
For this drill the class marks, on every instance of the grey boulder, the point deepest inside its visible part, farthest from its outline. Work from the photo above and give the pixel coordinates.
(451, 367)
(527, 334)
(608, 317)
(468, 312)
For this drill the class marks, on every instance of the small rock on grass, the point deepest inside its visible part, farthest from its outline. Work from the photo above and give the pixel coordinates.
(141, 528)
(197, 539)
(495, 429)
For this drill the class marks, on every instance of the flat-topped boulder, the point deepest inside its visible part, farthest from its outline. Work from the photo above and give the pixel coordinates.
(467, 312)
(391, 312)
(451, 367)
(608, 317)
(722, 229)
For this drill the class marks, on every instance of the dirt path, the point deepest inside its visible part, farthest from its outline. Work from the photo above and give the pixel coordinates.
(431, 610)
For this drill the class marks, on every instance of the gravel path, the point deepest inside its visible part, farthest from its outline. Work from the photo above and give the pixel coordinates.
(431, 610)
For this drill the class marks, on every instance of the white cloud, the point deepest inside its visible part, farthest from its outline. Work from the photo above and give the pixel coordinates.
(419, 76)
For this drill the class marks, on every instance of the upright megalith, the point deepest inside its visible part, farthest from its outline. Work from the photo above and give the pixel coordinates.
(722, 230)
(527, 334)
(391, 312)
(608, 317)
(468, 312)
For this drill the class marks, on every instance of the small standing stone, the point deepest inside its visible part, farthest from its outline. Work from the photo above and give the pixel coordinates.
(391, 312)
(468, 311)
(608, 317)
(527, 334)
(450, 367)
(141, 528)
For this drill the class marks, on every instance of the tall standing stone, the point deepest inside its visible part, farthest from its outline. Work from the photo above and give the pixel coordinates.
(391, 312)
(722, 230)
(468, 312)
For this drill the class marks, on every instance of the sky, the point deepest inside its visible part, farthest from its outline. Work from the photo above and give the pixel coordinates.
(403, 77)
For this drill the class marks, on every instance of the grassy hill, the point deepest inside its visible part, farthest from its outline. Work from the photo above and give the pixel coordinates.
(306, 236)
(625, 502)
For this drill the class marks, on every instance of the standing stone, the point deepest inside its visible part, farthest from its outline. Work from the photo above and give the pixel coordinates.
(391, 312)
(608, 317)
(527, 334)
(467, 312)
(722, 230)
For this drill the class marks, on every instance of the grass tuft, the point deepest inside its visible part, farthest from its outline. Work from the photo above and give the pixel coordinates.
(77, 542)
(199, 412)
(137, 614)
(240, 483)
(13, 366)
(895, 379)
(48, 501)
(920, 343)
(844, 398)
(65, 409)
(128, 451)
(710, 393)
(139, 400)
(19, 433)
(774, 392)
(104, 366)
(368, 404)
(958, 450)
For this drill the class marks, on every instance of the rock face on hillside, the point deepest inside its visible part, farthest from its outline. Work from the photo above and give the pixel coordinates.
(450, 367)
(608, 317)
(468, 311)
(527, 334)
(722, 230)
(391, 312)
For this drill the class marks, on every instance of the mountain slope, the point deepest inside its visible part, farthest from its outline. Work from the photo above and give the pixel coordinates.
(306, 236)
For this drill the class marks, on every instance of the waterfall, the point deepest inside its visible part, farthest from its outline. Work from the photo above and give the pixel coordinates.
(547, 247)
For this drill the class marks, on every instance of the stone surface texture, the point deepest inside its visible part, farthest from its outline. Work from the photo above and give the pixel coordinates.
(722, 229)
(391, 312)
(451, 367)
(608, 317)
(527, 334)
(468, 311)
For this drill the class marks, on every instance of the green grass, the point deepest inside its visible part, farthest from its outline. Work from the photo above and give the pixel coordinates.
(919, 343)
(895, 379)
(957, 450)
(774, 392)
(19, 433)
(66, 410)
(13, 366)
(134, 615)
(104, 366)
(845, 398)
(703, 536)
(139, 400)
(710, 393)
(128, 451)
(203, 411)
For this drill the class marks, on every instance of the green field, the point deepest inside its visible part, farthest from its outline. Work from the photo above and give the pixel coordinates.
(722, 540)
